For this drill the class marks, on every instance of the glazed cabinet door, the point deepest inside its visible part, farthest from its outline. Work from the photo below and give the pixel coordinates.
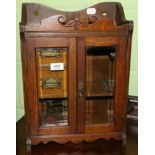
(101, 76)
(52, 85)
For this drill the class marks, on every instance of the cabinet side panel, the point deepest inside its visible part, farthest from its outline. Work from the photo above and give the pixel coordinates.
(31, 86)
(24, 75)
(120, 84)
(127, 74)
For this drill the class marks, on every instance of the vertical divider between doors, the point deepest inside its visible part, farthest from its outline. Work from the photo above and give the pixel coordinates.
(72, 94)
(81, 63)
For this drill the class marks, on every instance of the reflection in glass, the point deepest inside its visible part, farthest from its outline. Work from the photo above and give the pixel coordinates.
(100, 74)
(99, 111)
(54, 112)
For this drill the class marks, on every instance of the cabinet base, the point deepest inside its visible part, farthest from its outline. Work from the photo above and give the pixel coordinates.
(74, 138)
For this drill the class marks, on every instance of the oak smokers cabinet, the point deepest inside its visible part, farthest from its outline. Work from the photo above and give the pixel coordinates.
(75, 72)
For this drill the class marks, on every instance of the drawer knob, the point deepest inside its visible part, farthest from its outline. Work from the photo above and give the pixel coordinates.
(51, 83)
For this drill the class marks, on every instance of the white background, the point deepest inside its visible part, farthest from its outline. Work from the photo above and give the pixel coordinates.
(146, 74)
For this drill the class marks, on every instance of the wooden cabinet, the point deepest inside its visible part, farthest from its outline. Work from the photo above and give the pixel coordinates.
(75, 72)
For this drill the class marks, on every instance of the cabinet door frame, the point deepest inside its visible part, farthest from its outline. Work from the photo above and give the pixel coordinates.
(31, 88)
(121, 44)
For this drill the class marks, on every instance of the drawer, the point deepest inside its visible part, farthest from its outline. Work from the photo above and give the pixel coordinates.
(52, 83)
(53, 87)
(51, 55)
(44, 71)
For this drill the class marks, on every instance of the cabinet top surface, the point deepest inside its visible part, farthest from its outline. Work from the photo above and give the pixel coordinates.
(99, 17)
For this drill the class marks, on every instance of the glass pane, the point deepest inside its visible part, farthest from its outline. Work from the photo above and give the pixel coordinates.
(54, 112)
(99, 111)
(100, 71)
(52, 85)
